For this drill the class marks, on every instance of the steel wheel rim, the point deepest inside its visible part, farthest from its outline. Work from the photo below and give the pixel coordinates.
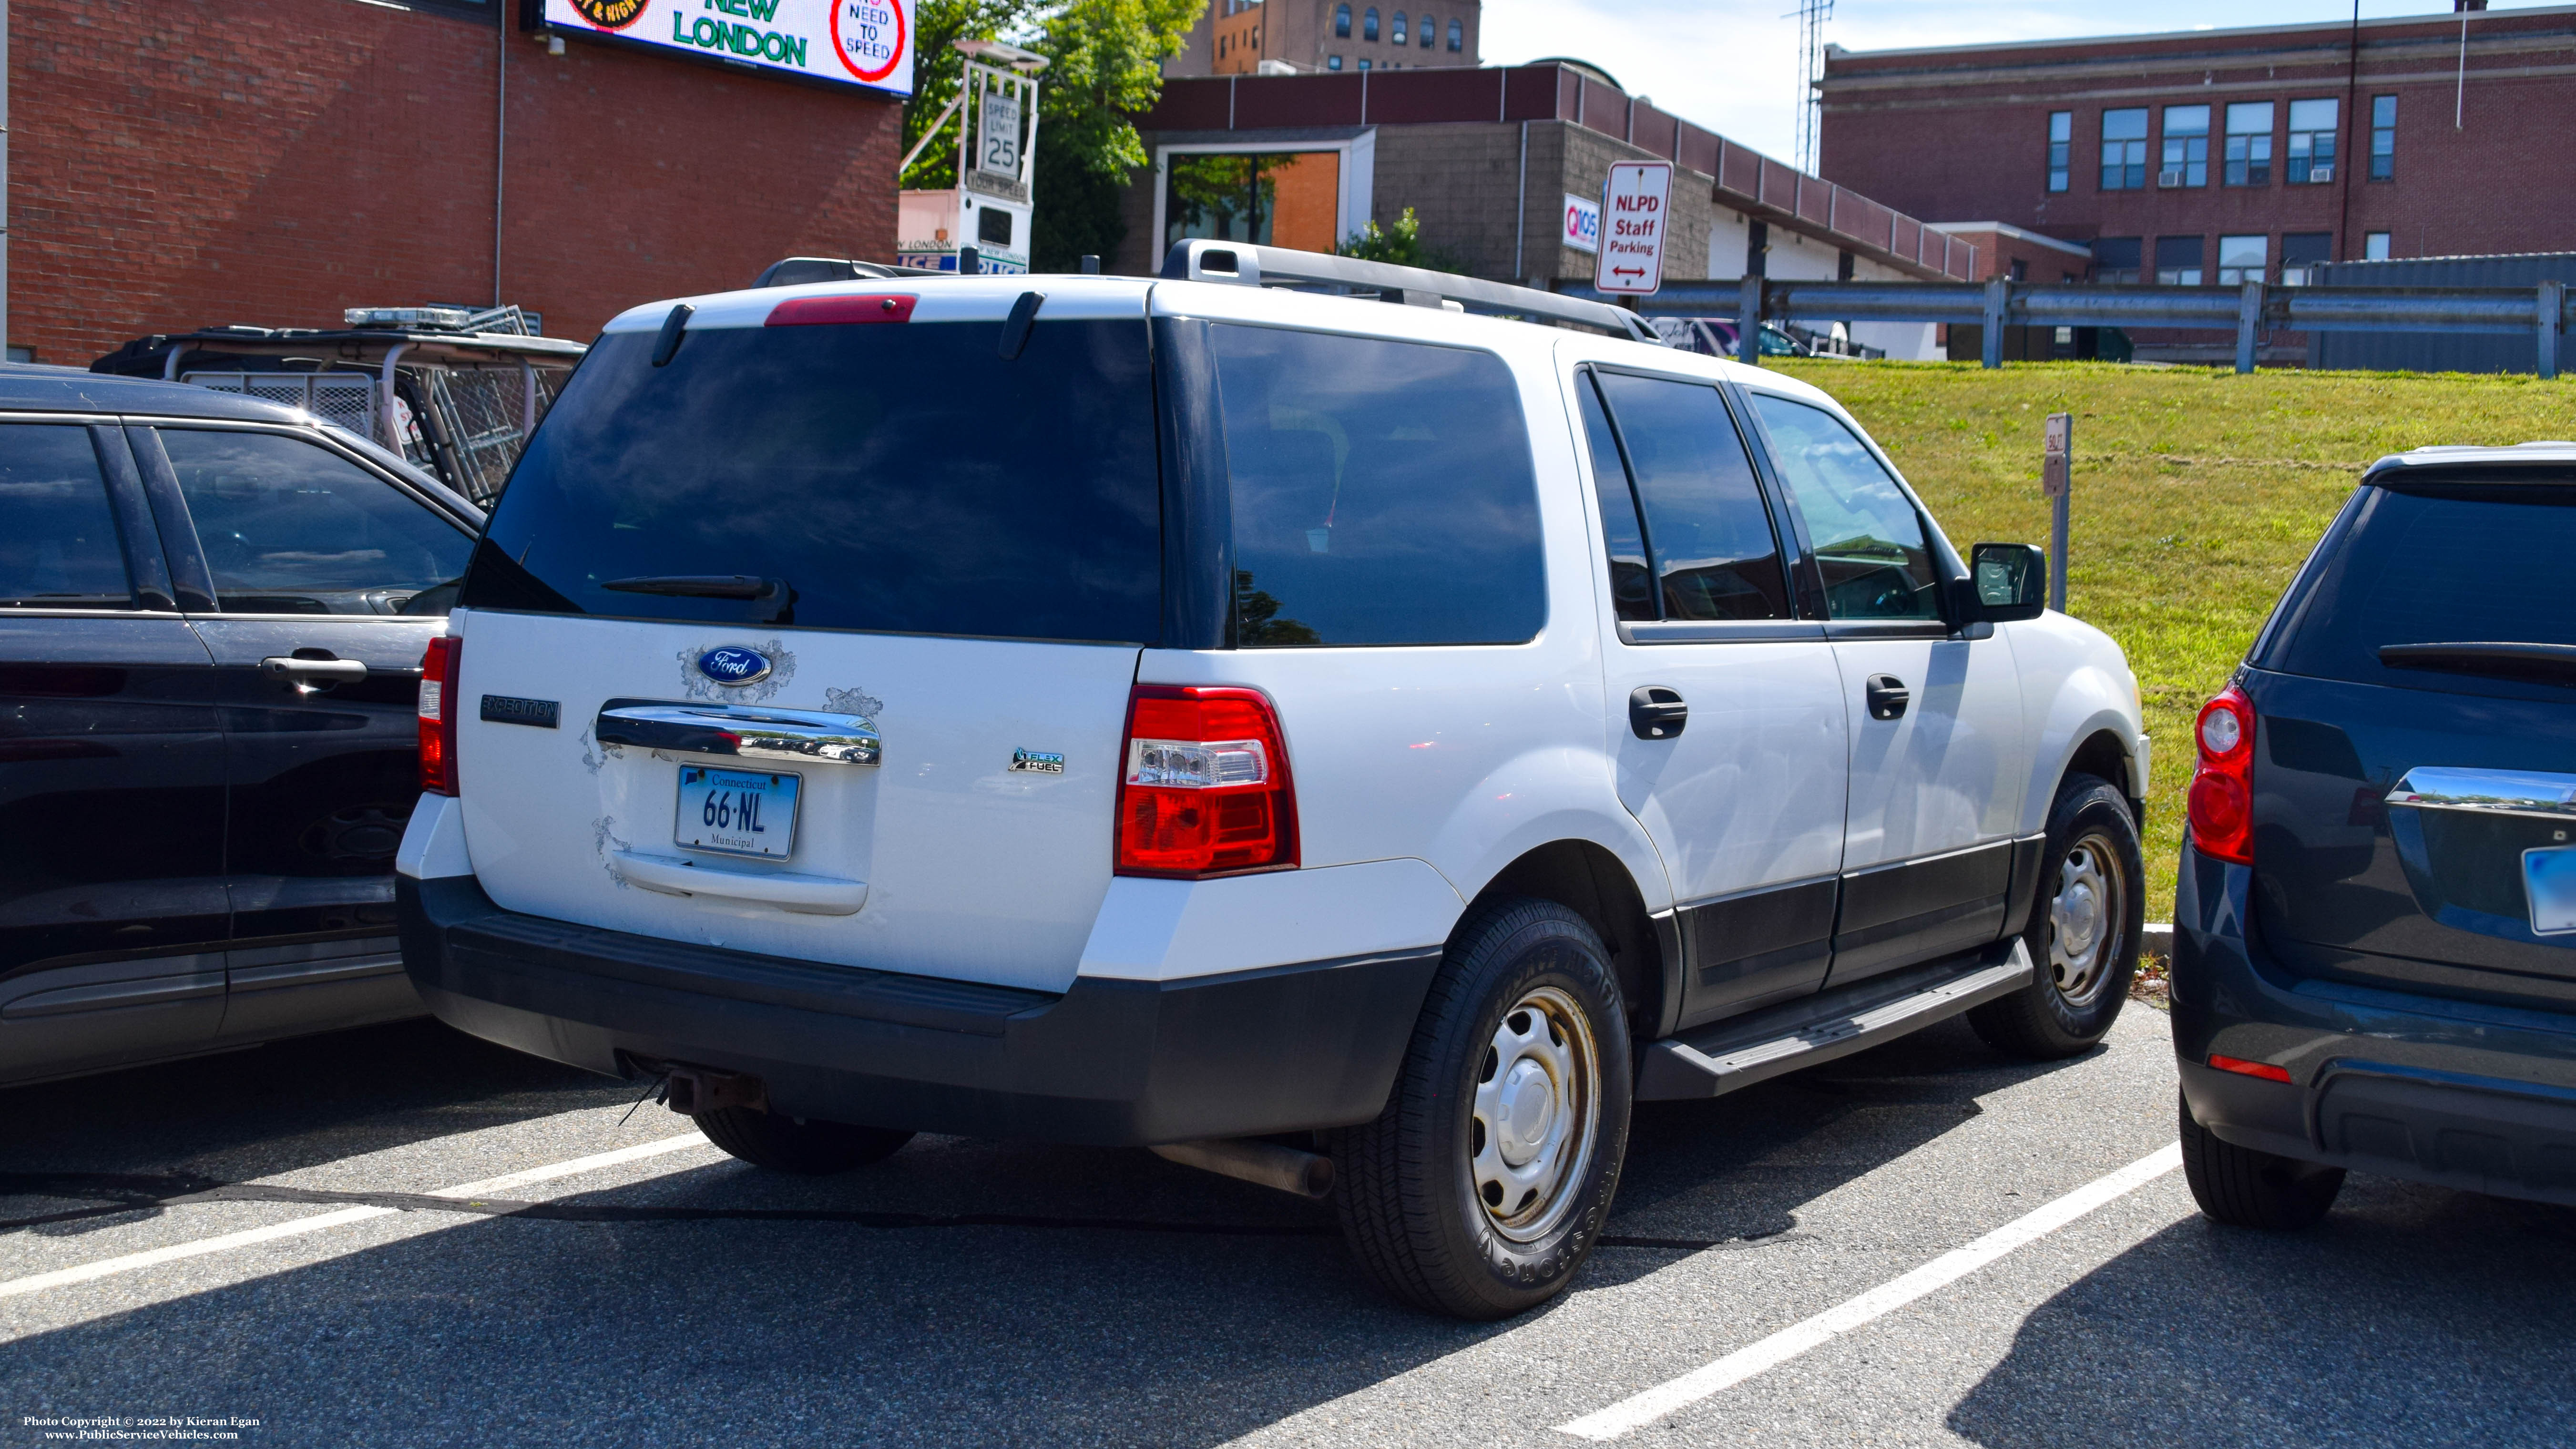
(2084, 919)
(1534, 1114)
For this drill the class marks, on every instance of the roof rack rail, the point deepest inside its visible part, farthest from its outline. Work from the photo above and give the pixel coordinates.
(1244, 264)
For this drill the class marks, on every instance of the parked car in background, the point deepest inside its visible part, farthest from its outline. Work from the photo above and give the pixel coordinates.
(212, 612)
(2375, 936)
(1178, 713)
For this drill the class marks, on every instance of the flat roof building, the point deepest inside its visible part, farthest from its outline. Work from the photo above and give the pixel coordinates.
(2220, 156)
(1237, 37)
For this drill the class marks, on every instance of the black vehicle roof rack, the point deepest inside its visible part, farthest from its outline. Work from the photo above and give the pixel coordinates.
(1244, 264)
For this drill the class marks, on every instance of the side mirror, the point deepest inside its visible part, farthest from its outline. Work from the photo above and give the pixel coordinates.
(2006, 581)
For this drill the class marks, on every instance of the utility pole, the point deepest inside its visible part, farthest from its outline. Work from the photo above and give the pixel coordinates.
(1812, 15)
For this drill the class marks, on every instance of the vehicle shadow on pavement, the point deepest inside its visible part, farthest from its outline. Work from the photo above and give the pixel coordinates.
(273, 1109)
(2412, 1316)
(1740, 1166)
(1124, 1300)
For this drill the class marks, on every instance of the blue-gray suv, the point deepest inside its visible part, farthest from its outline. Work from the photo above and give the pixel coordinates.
(2375, 933)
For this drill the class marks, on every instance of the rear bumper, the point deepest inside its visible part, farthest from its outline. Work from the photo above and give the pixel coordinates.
(1110, 1062)
(2456, 1093)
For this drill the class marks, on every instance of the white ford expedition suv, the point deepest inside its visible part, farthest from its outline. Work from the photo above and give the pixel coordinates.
(1358, 747)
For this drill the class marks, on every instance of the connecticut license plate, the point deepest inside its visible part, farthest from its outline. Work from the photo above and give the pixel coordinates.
(742, 812)
(2549, 876)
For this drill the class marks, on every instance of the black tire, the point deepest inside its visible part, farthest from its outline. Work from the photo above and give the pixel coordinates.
(1407, 1185)
(2056, 1016)
(2247, 1188)
(815, 1149)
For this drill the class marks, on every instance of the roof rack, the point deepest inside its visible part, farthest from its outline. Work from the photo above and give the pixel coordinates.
(1243, 264)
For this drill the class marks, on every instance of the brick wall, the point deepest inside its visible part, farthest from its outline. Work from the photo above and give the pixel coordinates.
(181, 163)
(1961, 134)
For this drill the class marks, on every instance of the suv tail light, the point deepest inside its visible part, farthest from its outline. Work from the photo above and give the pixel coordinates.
(2222, 787)
(1204, 789)
(438, 716)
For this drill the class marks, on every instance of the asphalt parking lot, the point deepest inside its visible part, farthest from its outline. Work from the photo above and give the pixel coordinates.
(158, 1258)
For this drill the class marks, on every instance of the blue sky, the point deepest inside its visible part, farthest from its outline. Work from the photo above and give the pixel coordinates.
(1732, 65)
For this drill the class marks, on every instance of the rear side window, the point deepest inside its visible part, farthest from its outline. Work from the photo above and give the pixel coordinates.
(899, 477)
(1382, 492)
(1707, 529)
(292, 528)
(2438, 566)
(58, 544)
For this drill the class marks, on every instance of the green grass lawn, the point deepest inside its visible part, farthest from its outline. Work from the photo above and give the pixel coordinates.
(2197, 494)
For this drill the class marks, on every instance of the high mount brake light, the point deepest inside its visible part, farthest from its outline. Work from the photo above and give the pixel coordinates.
(1203, 786)
(438, 716)
(840, 311)
(2221, 806)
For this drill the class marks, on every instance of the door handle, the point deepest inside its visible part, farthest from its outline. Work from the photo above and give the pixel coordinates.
(308, 675)
(1656, 713)
(1887, 696)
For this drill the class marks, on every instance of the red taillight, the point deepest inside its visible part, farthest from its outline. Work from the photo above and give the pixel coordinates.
(2221, 805)
(1203, 784)
(438, 716)
(2242, 1067)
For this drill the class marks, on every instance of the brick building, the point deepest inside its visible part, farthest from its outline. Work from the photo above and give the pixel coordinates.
(1236, 37)
(2218, 156)
(179, 163)
(1497, 165)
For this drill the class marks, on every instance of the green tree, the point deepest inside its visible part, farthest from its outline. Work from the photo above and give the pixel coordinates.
(1400, 243)
(1108, 69)
(1105, 70)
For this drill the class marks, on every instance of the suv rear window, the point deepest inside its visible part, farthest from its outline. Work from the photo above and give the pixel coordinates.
(899, 477)
(2447, 565)
(1382, 492)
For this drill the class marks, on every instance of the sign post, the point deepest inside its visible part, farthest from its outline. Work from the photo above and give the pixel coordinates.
(1633, 217)
(987, 214)
(2056, 480)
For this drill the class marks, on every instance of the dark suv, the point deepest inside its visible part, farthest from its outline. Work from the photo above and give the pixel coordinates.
(2375, 935)
(212, 616)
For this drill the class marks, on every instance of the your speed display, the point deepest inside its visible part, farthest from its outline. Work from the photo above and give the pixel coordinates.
(864, 43)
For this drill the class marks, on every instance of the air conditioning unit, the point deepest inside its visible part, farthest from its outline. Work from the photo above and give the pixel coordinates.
(2169, 178)
(2321, 174)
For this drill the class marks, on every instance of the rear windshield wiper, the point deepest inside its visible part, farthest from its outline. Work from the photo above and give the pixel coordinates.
(751, 588)
(2535, 663)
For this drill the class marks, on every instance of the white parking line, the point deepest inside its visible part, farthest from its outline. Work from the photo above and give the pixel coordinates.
(488, 1187)
(1633, 1413)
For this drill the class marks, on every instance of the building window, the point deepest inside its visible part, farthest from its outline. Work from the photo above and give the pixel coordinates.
(1457, 37)
(2061, 144)
(2243, 259)
(1364, 62)
(2178, 261)
(2383, 138)
(2115, 259)
(2301, 251)
(2186, 158)
(2374, 246)
(1332, 62)
(1368, 23)
(1430, 31)
(1341, 24)
(2124, 149)
(1395, 30)
(2312, 140)
(2249, 143)
(2019, 271)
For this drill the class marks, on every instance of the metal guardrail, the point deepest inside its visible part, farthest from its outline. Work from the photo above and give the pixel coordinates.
(2540, 312)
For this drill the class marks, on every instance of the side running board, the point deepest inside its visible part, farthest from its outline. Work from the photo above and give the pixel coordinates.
(1715, 1060)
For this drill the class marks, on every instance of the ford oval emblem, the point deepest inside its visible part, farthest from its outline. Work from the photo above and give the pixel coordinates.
(734, 664)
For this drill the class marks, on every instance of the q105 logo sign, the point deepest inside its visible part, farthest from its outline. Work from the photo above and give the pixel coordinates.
(854, 42)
